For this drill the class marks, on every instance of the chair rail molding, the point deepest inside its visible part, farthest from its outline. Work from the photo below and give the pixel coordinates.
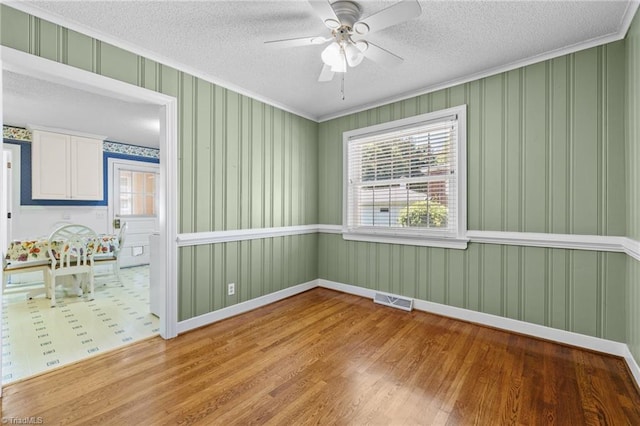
(550, 240)
(527, 239)
(214, 237)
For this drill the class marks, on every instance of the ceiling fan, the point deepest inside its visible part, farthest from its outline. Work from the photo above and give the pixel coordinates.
(348, 48)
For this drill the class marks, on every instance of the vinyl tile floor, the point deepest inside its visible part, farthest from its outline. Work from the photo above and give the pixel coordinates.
(37, 338)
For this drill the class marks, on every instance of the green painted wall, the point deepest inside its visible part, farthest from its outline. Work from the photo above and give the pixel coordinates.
(545, 145)
(633, 189)
(242, 164)
(546, 153)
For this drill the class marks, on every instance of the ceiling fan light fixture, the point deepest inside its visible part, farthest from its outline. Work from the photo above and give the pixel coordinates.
(334, 57)
(340, 66)
(353, 55)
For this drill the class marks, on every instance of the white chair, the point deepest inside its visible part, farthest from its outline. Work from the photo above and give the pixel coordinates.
(71, 253)
(113, 257)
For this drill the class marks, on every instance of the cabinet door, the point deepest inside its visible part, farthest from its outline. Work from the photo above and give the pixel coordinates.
(50, 164)
(86, 169)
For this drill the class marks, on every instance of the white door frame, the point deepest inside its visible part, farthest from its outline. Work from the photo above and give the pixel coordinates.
(44, 69)
(6, 201)
(4, 219)
(113, 163)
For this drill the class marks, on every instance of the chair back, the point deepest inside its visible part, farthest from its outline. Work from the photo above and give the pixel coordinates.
(72, 246)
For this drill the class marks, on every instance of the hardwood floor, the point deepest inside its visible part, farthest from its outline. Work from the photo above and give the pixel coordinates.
(325, 357)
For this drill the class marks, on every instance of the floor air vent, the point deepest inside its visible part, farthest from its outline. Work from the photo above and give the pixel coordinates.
(403, 303)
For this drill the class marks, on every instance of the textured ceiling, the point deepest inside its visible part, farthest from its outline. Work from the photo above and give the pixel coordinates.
(29, 101)
(450, 41)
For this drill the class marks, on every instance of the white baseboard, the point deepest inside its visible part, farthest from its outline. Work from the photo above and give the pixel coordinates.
(508, 324)
(633, 366)
(243, 307)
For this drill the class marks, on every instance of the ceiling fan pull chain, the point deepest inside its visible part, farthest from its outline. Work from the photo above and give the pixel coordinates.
(342, 85)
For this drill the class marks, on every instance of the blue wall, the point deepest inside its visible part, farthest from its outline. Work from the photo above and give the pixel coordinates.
(25, 177)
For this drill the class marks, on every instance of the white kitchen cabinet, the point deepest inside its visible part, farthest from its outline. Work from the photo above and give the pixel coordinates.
(66, 167)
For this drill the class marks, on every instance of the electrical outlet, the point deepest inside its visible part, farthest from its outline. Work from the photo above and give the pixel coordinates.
(231, 289)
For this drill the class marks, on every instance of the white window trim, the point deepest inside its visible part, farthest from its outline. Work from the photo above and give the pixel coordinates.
(393, 236)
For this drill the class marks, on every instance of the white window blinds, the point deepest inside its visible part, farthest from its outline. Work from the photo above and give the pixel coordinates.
(404, 178)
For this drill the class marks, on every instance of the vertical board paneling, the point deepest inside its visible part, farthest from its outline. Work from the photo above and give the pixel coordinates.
(48, 45)
(614, 131)
(457, 278)
(79, 52)
(533, 286)
(585, 294)
(492, 177)
(474, 154)
(118, 63)
(632, 151)
(540, 153)
(218, 164)
(513, 279)
(256, 267)
(534, 188)
(524, 283)
(232, 160)
(202, 276)
(16, 29)
(558, 288)
(492, 289)
(187, 150)
(246, 134)
(257, 166)
(201, 175)
(268, 182)
(513, 154)
(558, 144)
(585, 162)
(185, 275)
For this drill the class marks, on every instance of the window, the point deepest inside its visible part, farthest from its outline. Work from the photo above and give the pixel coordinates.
(406, 181)
(137, 193)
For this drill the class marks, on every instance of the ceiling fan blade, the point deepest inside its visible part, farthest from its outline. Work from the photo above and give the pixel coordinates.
(395, 14)
(382, 56)
(326, 74)
(326, 13)
(296, 42)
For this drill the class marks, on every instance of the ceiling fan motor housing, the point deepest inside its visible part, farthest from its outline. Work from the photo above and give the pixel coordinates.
(348, 12)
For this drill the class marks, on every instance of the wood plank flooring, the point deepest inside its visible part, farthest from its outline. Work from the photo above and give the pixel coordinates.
(324, 357)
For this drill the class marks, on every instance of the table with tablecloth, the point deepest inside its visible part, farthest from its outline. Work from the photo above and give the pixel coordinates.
(33, 254)
(38, 249)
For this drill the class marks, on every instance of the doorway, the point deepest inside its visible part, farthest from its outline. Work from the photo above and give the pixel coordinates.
(133, 199)
(26, 64)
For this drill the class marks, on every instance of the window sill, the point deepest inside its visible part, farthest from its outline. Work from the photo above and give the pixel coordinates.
(422, 240)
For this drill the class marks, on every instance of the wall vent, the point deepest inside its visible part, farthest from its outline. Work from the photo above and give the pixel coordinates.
(404, 303)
